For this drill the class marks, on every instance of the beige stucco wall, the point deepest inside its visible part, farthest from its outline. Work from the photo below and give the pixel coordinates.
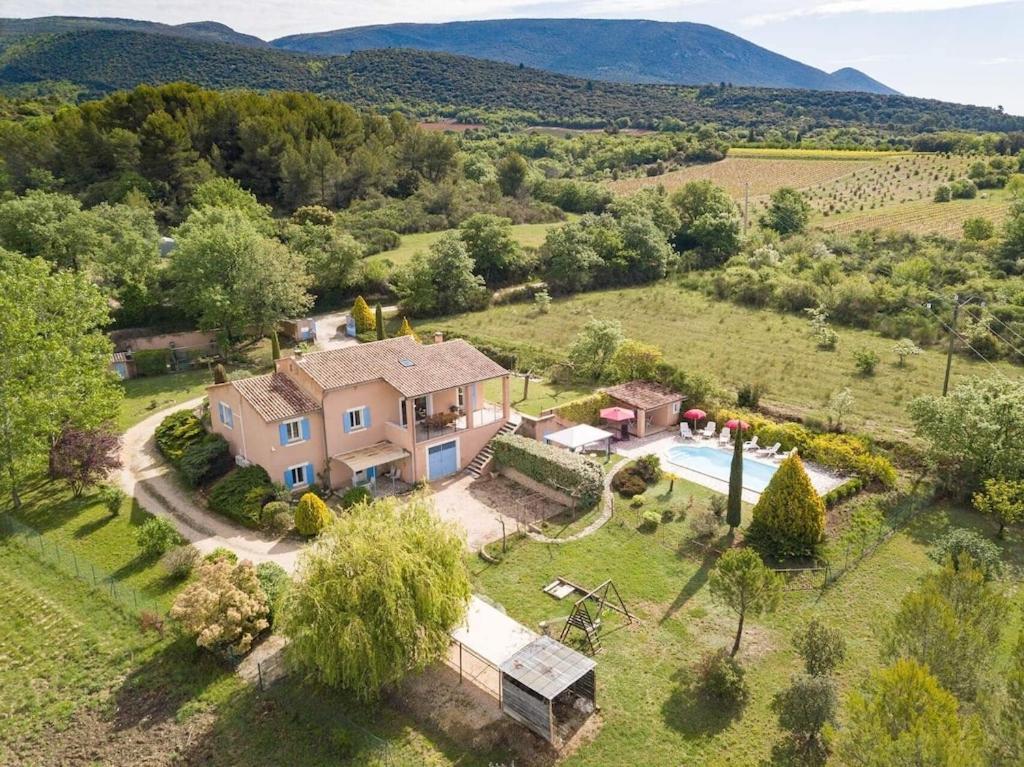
(259, 441)
(470, 441)
(124, 340)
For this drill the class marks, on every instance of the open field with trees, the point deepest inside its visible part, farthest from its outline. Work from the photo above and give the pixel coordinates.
(740, 346)
(527, 235)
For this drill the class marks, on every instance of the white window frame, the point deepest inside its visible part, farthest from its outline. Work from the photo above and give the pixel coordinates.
(352, 426)
(297, 423)
(230, 422)
(460, 396)
(676, 407)
(304, 468)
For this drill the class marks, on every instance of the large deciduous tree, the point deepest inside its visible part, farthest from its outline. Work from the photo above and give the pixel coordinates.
(231, 276)
(708, 222)
(376, 597)
(54, 372)
(594, 347)
(788, 212)
(741, 582)
(83, 457)
(496, 255)
(442, 281)
(974, 434)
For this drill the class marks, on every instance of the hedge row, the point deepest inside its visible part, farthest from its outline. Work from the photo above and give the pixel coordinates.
(242, 494)
(201, 457)
(847, 453)
(554, 467)
(585, 409)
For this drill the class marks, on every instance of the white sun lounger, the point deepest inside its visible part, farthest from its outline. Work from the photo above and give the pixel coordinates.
(751, 444)
(723, 438)
(709, 430)
(684, 431)
(769, 452)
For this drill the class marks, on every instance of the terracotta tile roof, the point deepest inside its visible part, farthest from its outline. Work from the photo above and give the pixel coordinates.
(643, 394)
(412, 368)
(275, 396)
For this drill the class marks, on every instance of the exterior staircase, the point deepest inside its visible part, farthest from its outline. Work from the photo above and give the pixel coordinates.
(479, 463)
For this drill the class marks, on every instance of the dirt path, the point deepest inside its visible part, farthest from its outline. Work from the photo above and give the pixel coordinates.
(608, 506)
(150, 480)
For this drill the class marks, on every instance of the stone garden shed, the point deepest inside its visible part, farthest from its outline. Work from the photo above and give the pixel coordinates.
(658, 408)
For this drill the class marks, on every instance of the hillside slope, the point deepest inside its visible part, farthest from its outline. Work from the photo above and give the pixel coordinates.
(631, 51)
(103, 61)
(210, 31)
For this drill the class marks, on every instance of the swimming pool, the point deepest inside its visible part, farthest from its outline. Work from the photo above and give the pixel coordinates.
(717, 463)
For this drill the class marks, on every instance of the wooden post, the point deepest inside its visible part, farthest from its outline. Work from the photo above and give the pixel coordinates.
(551, 722)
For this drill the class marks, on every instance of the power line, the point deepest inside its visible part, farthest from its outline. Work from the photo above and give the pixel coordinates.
(967, 343)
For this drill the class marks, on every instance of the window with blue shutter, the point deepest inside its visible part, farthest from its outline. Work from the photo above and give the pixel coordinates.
(356, 419)
(305, 429)
(366, 417)
(226, 416)
(288, 479)
(283, 433)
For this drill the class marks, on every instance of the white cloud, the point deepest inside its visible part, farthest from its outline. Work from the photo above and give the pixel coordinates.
(839, 7)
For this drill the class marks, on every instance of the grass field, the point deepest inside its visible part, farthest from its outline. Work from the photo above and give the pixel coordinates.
(531, 235)
(813, 154)
(736, 346)
(543, 394)
(650, 714)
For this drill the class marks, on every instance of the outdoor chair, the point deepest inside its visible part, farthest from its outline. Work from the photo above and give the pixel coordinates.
(725, 436)
(769, 452)
(709, 430)
(684, 431)
(751, 444)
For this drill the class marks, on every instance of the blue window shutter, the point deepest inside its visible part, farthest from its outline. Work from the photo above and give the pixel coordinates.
(288, 479)
(230, 414)
(366, 417)
(283, 432)
(345, 423)
(309, 474)
(305, 428)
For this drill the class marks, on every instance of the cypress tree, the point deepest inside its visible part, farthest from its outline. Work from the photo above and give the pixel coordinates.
(734, 507)
(275, 346)
(379, 318)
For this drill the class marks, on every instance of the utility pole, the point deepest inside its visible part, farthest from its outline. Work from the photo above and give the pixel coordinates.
(952, 342)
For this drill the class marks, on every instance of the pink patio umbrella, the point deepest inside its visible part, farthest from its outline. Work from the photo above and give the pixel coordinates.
(617, 414)
(737, 426)
(694, 414)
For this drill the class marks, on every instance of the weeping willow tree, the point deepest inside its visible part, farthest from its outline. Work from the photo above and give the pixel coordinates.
(376, 597)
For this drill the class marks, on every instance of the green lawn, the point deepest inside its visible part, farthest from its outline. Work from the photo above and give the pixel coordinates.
(735, 346)
(643, 670)
(543, 394)
(531, 235)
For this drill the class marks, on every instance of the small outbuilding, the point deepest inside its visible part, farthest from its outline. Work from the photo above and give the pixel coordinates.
(549, 687)
(657, 407)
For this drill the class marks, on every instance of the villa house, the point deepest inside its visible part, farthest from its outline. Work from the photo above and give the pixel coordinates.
(393, 408)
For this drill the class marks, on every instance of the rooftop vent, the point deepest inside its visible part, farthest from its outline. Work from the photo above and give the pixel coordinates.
(406, 363)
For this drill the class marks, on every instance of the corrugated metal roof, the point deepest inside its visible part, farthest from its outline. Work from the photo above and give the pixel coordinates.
(410, 367)
(547, 667)
(275, 396)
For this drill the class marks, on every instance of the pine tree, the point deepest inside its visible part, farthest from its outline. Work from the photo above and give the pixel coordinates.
(734, 508)
(379, 321)
(789, 518)
(406, 329)
(363, 315)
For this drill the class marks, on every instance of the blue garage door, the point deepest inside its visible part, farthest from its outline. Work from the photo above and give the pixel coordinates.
(442, 460)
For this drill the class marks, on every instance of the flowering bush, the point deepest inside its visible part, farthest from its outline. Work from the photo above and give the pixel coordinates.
(225, 608)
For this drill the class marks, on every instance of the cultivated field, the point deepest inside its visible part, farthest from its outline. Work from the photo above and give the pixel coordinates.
(528, 235)
(736, 346)
(922, 216)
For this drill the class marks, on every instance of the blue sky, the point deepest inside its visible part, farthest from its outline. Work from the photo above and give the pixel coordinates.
(958, 50)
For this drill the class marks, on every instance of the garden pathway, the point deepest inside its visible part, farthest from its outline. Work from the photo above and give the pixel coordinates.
(151, 481)
(608, 506)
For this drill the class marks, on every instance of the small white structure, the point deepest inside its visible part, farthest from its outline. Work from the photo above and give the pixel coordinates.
(578, 437)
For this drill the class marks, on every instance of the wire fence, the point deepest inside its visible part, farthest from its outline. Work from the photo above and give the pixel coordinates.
(71, 563)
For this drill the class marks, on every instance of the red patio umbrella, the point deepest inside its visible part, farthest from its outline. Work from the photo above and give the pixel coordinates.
(694, 414)
(617, 414)
(734, 423)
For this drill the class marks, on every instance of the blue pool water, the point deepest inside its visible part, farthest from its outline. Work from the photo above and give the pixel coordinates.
(716, 463)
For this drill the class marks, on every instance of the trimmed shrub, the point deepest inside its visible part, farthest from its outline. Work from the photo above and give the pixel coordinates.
(282, 523)
(585, 409)
(363, 315)
(241, 495)
(311, 515)
(354, 496)
(840, 493)
(650, 521)
(845, 452)
(705, 525)
(272, 509)
(667, 515)
(719, 678)
(179, 561)
(822, 648)
(221, 554)
(151, 362)
(963, 542)
(274, 581)
(628, 483)
(789, 518)
(156, 536)
(649, 468)
(552, 466)
(113, 498)
(206, 461)
(177, 432)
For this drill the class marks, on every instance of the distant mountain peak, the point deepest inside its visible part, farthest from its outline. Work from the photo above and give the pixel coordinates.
(617, 50)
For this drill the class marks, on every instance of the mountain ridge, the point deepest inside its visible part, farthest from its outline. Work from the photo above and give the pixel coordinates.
(616, 50)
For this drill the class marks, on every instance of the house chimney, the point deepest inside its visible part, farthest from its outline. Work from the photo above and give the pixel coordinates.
(438, 336)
